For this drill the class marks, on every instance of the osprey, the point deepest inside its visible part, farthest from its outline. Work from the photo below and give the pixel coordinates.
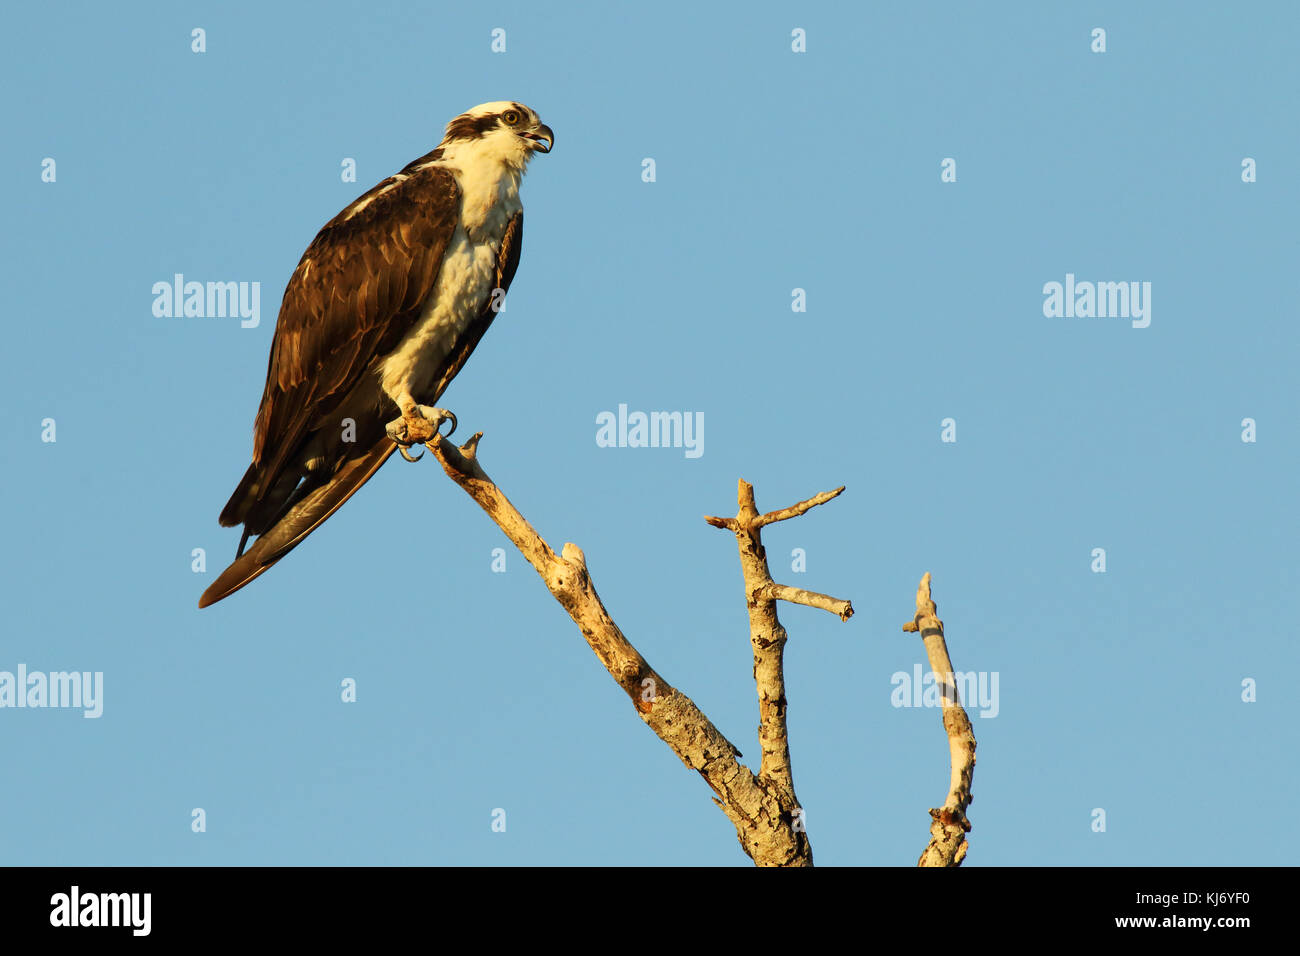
(386, 305)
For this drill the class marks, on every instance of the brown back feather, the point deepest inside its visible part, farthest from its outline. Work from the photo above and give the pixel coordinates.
(337, 314)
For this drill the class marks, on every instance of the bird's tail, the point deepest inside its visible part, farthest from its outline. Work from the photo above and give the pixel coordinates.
(302, 516)
(237, 507)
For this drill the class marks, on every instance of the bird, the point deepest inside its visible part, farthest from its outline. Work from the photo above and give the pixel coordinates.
(383, 310)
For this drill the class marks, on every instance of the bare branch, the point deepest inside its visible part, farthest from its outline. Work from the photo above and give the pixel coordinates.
(795, 511)
(767, 635)
(783, 592)
(763, 807)
(949, 825)
(761, 813)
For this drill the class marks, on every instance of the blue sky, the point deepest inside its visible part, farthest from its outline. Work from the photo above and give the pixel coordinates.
(775, 171)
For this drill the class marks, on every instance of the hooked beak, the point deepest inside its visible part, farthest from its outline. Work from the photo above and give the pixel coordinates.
(542, 133)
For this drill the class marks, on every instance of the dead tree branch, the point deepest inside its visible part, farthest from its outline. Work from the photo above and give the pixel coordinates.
(762, 808)
(949, 825)
(823, 602)
(767, 635)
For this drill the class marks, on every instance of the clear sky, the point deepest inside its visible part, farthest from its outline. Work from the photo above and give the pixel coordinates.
(774, 171)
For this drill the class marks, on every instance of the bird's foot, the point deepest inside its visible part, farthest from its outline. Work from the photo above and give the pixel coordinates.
(418, 425)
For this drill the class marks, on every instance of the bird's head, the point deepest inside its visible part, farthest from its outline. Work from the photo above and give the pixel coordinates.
(506, 131)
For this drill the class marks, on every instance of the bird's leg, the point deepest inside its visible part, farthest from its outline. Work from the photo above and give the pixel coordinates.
(418, 424)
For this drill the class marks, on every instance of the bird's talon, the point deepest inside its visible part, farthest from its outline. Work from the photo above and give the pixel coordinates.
(418, 426)
(434, 417)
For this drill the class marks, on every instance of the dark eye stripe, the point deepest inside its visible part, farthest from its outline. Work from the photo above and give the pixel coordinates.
(470, 127)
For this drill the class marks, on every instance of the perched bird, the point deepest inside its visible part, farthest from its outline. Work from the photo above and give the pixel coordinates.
(387, 303)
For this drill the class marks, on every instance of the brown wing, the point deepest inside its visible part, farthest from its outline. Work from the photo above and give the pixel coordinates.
(357, 290)
(307, 513)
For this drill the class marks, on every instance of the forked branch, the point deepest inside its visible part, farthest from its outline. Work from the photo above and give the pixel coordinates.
(762, 807)
(762, 812)
(767, 635)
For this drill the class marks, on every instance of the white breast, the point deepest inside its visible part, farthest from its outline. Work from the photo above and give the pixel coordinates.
(463, 287)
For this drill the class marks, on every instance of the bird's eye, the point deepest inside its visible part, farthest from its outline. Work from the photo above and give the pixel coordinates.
(511, 117)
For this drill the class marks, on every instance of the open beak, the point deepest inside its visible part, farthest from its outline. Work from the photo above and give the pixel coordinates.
(538, 136)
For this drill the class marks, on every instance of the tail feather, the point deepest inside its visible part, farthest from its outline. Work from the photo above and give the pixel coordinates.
(301, 518)
(235, 509)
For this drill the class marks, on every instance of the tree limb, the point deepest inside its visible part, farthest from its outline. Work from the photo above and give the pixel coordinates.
(949, 825)
(767, 635)
(824, 602)
(761, 811)
(795, 511)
